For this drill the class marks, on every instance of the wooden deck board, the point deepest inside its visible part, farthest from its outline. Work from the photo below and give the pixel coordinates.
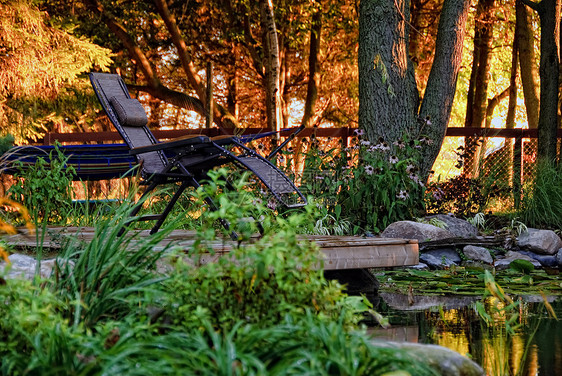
(340, 252)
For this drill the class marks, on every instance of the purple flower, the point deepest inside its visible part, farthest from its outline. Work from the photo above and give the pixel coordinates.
(358, 132)
(410, 168)
(400, 144)
(402, 195)
(393, 159)
(369, 170)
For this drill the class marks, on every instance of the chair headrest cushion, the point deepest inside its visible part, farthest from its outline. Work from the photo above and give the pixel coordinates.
(129, 111)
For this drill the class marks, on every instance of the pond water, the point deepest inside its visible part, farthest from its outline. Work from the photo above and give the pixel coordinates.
(533, 348)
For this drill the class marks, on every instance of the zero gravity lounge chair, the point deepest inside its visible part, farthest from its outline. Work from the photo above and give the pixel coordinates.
(185, 160)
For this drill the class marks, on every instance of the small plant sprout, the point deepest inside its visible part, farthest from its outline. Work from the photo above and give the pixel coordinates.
(517, 227)
(478, 220)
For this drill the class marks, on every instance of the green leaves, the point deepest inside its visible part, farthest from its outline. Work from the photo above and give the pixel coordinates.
(45, 188)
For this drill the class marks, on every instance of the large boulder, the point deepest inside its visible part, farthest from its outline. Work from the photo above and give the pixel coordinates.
(544, 242)
(23, 266)
(415, 230)
(503, 263)
(476, 253)
(456, 226)
(435, 262)
(445, 254)
(445, 361)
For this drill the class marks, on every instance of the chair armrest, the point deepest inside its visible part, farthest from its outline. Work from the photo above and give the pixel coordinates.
(177, 143)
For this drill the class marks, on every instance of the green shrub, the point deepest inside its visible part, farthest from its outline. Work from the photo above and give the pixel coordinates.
(45, 188)
(368, 186)
(541, 205)
(35, 336)
(291, 347)
(262, 280)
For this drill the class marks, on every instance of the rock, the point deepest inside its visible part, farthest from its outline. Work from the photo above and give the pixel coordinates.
(23, 266)
(434, 262)
(420, 266)
(503, 263)
(559, 258)
(445, 361)
(407, 302)
(475, 253)
(456, 226)
(447, 253)
(544, 242)
(545, 260)
(415, 230)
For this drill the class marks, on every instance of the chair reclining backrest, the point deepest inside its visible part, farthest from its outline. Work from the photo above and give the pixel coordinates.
(128, 117)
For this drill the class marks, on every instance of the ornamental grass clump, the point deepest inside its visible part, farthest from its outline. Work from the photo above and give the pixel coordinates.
(541, 205)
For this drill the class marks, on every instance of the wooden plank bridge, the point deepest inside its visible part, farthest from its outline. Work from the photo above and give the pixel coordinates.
(339, 252)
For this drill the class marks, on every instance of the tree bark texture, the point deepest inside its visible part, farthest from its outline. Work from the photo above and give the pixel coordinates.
(442, 83)
(313, 68)
(549, 14)
(549, 72)
(271, 64)
(388, 96)
(527, 62)
(478, 89)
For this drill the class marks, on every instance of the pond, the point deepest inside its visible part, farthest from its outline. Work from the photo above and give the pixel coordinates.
(522, 337)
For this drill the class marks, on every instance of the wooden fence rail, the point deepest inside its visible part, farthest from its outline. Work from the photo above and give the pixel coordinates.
(343, 133)
(51, 137)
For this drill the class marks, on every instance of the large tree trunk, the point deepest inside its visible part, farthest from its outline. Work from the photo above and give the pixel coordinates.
(549, 13)
(271, 64)
(313, 68)
(527, 62)
(388, 96)
(440, 92)
(478, 90)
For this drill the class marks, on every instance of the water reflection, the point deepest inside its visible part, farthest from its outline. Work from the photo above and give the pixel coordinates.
(534, 347)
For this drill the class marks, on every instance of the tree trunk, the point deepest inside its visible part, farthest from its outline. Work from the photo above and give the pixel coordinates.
(388, 96)
(313, 68)
(527, 62)
(440, 92)
(271, 64)
(478, 90)
(549, 14)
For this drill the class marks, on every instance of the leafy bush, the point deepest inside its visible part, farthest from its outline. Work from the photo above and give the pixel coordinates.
(45, 188)
(262, 280)
(28, 316)
(368, 185)
(265, 309)
(100, 279)
(462, 196)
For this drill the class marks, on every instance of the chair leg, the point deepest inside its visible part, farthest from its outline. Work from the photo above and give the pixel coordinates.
(169, 207)
(214, 207)
(138, 205)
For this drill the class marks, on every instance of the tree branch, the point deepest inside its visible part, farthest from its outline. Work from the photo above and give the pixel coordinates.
(531, 4)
